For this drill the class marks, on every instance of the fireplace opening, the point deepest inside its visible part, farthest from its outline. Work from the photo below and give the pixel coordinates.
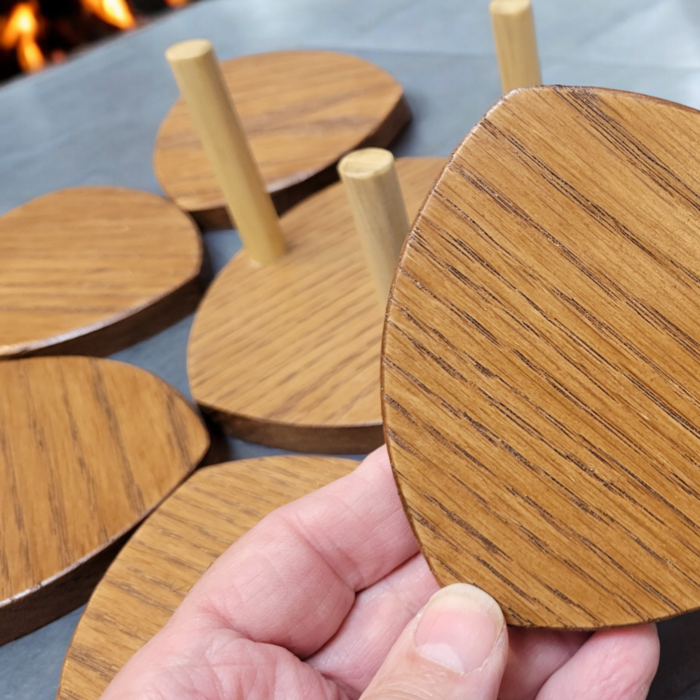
(36, 33)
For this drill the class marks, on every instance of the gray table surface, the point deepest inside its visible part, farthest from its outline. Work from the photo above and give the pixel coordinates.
(93, 120)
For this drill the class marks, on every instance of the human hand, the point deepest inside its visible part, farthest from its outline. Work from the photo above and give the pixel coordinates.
(324, 599)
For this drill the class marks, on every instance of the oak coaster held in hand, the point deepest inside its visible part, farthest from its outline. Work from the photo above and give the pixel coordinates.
(301, 111)
(541, 365)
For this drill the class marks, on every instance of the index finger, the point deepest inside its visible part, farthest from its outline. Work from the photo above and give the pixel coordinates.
(292, 579)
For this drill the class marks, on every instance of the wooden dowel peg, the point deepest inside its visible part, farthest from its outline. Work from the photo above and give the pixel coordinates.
(378, 207)
(516, 46)
(201, 83)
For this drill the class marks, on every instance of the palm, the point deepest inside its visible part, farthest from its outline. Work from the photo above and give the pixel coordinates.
(309, 603)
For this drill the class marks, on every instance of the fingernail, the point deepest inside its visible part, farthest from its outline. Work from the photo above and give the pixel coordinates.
(459, 627)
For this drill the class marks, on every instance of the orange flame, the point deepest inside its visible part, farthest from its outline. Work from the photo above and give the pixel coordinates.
(114, 12)
(176, 3)
(20, 31)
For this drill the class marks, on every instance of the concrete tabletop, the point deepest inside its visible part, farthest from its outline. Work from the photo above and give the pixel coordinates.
(93, 120)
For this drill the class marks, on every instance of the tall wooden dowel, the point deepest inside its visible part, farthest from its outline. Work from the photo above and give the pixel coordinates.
(516, 46)
(202, 86)
(379, 210)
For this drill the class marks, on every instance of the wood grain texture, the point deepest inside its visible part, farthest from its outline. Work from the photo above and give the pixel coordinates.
(288, 355)
(301, 110)
(87, 449)
(91, 270)
(173, 548)
(541, 366)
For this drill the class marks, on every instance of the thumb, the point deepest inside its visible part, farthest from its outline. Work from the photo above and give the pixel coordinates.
(455, 648)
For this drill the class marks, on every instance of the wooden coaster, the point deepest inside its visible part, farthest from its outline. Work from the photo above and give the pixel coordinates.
(541, 365)
(302, 111)
(87, 449)
(91, 270)
(288, 354)
(169, 553)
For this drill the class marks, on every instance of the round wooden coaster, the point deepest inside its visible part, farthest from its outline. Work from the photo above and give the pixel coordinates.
(288, 354)
(169, 553)
(302, 111)
(87, 449)
(541, 365)
(91, 270)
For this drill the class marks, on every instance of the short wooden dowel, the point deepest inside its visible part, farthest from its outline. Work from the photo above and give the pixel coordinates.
(202, 86)
(516, 45)
(373, 188)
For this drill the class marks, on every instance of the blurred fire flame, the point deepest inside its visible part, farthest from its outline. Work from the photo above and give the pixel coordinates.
(114, 12)
(20, 32)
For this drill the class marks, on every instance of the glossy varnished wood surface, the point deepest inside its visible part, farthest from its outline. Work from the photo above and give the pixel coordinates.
(91, 270)
(288, 354)
(87, 448)
(301, 110)
(541, 367)
(173, 548)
